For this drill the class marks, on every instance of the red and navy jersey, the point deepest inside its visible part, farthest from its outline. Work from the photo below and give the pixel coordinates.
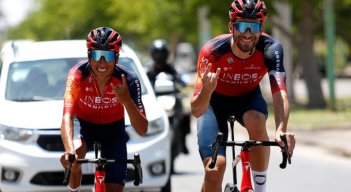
(240, 76)
(83, 99)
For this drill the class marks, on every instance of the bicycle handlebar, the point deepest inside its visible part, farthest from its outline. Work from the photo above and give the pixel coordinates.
(214, 148)
(248, 145)
(71, 158)
(138, 174)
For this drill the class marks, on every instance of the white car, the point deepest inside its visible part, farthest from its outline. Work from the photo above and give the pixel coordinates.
(32, 83)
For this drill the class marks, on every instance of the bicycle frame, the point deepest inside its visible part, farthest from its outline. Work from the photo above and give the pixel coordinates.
(99, 181)
(99, 178)
(244, 157)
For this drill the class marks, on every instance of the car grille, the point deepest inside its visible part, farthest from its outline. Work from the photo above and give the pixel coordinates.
(51, 142)
(56, 178)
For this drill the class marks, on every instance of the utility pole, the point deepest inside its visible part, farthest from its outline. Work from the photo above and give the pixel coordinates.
(204, 25)
(329, 29)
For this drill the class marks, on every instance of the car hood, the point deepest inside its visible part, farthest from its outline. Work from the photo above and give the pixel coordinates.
(48, 114)
(37, 114)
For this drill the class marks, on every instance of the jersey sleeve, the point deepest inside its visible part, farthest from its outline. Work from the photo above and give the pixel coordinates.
(135, 91)
(274, 60)
(71, 91)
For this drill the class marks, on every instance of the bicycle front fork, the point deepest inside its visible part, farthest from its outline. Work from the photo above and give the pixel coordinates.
(246, 184)
(100, 179)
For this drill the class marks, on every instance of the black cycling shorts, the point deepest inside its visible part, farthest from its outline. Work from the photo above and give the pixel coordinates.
(113, 139)
(220, 109)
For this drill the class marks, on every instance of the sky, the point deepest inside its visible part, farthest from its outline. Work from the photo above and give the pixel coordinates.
(14, 11)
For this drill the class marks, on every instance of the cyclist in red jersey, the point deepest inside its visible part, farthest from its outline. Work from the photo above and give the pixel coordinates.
(96, 94)
(230, 68)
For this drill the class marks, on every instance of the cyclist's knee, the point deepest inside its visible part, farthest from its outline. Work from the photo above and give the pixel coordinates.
(216, 174)
(76, 169)
(255, 123)
(253, 117)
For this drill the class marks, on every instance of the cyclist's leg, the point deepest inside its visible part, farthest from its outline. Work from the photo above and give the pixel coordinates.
(81, 150)
(114, 146)
(207, 130)
(253, 118)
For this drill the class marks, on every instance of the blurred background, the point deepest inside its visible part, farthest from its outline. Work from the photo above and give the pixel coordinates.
(316, 35)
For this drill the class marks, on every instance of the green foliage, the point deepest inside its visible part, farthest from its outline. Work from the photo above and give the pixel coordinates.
(140, 21)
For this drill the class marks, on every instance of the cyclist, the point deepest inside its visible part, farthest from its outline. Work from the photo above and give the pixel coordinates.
(97, 91)
(230, 68)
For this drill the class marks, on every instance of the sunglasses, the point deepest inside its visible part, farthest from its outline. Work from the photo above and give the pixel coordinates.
(108, 55)
(242, 27)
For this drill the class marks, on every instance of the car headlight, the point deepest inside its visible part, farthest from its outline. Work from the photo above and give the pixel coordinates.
(156, 126)
(15, 134)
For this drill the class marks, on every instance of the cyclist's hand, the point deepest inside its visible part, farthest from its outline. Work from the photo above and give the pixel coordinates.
(290, 138)
(65, 159)
(209, 79)
(122, 91)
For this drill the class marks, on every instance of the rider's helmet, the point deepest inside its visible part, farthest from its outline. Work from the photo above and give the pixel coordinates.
(104, 38)
(159, 51)
(248, 9)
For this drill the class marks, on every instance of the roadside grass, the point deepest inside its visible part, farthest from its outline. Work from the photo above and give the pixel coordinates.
(303, 119)
(319, 119)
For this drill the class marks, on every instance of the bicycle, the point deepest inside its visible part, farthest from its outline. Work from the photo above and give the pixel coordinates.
(100, 162)
(246, 185)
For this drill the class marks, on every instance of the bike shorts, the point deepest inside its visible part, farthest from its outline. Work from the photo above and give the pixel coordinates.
(113, 139)
(219, 110)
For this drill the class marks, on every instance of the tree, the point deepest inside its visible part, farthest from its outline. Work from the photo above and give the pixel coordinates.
(142, 21)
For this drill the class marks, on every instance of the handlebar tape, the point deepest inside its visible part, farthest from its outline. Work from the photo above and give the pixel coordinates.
(285, 153)
(138, 174)
(71, 158)
(215, 147)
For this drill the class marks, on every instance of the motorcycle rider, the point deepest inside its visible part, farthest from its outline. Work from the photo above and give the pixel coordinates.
(159, 52)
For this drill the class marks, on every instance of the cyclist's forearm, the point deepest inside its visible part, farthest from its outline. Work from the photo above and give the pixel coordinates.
(137, 119)
(281, 110)
(200, 102)
(67, 133)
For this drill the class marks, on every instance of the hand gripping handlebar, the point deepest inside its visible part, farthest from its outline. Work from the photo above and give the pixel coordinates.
(138, 174)
(247, 145)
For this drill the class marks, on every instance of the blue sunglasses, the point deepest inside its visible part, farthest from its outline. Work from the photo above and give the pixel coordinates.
(242, 27)
(108, 55)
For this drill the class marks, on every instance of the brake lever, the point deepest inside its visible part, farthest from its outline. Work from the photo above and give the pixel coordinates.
(285, 152)
(138, 174)
(214, 149)
(67, 174)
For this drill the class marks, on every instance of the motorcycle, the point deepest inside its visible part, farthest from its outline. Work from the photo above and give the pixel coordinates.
(169, 96)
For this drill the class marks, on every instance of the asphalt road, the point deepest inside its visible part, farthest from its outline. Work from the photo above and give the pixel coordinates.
(315, 165)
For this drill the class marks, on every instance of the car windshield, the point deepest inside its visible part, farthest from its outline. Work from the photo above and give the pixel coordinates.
(46, 79)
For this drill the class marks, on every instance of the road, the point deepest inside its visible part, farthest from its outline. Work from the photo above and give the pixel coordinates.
(312, 170)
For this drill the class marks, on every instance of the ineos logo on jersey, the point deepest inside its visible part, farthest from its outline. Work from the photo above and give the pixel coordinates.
(238, 78)
(96, 102)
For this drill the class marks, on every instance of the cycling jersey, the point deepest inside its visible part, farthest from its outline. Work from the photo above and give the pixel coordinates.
(240, 76)
(83, 99)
